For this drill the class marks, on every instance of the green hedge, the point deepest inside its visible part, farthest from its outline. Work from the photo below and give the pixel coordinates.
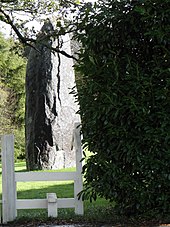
(124, 96)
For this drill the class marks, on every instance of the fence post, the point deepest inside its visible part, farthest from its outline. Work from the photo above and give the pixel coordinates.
(8, 179)
(52, 205)
(78, 184)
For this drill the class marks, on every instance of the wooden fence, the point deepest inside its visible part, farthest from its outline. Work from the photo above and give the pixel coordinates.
(10, 203)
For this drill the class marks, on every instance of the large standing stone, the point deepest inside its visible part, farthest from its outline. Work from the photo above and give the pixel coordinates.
(50, 109)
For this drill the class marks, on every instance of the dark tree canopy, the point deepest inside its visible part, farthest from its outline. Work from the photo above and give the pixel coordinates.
(124, 96)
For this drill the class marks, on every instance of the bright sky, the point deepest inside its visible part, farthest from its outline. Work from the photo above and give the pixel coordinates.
(6, 29)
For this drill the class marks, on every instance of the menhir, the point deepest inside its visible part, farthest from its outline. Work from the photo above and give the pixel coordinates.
(50, 108)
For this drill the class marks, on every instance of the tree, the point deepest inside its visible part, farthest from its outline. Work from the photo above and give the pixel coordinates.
(12, 86)
(124, 102)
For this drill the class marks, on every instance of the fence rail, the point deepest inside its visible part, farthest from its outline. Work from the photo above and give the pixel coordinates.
(10, 203)
(42, 203)
(45, 176)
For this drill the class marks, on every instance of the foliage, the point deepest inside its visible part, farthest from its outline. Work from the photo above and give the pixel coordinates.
(12, 87)
(4, 121)
(124, 96)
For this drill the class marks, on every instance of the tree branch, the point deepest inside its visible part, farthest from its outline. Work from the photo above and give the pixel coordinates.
(20, 36)
(29, 41)
(64, 53)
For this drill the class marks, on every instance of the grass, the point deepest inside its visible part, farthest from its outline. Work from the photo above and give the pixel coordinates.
(64, 189)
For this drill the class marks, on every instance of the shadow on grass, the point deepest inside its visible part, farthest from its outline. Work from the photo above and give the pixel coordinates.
(99, 210)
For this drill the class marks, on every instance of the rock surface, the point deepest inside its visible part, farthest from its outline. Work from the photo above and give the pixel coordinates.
(50, 109)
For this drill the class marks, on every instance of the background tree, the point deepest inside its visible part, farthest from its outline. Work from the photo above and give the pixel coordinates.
(12, 98)
(124, 96)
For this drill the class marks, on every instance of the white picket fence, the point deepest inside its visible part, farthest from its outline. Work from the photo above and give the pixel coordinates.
(10, 203)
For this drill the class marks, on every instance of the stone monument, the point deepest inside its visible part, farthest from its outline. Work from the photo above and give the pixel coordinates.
(50, 108)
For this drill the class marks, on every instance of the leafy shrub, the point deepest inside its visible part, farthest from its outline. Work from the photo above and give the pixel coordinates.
(124, 96)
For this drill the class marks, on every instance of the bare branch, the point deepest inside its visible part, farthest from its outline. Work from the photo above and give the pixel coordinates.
(64, 53)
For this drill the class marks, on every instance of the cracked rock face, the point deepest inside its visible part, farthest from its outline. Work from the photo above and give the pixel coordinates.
(50, 109)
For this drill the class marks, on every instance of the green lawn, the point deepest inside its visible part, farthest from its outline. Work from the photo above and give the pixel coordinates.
(35, 190)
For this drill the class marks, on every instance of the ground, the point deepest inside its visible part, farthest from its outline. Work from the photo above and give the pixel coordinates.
(71, 223)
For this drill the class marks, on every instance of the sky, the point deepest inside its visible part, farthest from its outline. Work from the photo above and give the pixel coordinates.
(7, 31)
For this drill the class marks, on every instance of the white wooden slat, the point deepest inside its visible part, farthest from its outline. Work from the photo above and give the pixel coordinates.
(43, 203)
(44, 176)
(8, 179)
(78, 184)
(79, 207)
(77, 144)
(31, 203)
(66, 203)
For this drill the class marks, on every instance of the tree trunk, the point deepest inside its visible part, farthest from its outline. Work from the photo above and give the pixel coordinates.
(50, 109)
